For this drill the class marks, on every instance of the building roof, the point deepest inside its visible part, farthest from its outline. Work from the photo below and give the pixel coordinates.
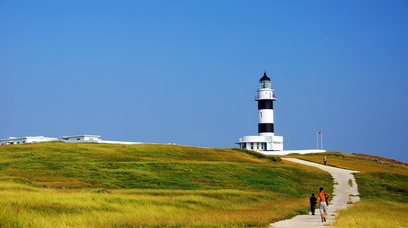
(27, 138)
(76, 136)
(264, 78)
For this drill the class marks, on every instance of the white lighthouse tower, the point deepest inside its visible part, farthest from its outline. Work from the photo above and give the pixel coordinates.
(266, 140)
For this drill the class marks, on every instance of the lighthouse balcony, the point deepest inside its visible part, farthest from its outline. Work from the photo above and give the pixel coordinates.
(265, 97)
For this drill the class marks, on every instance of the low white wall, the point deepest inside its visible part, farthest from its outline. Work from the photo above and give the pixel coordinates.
(286, 152)
(117, 142)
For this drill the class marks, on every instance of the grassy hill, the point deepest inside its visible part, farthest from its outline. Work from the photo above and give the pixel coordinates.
(100, 185)
(383, 188)
(147, 166)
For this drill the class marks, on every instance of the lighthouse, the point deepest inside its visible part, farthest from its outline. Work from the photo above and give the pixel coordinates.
(266, 140)
(265, 98)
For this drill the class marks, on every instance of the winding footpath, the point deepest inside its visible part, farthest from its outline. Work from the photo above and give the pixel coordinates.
(342, 194)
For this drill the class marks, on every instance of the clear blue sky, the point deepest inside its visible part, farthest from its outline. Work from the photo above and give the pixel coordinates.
(186, 72)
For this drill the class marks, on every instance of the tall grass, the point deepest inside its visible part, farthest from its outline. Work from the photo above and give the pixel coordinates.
(380, 214)
(24, 206)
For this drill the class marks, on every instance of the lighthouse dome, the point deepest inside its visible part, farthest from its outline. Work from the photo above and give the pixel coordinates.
(265, 78)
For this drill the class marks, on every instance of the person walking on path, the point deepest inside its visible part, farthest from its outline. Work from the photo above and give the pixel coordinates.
(343, 194)
(313, 202)
(323, 205)
(325, 160)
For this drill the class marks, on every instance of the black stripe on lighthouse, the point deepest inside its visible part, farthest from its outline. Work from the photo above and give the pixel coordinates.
(265, 127)
(265, 104)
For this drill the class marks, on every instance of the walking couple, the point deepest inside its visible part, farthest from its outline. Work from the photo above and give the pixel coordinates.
(324, 203)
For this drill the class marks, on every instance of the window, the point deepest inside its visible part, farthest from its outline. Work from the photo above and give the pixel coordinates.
(265, 85)
(78, 138)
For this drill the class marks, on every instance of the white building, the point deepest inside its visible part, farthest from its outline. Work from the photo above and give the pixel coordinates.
(27, 139)
(266, 140)
(92, 139)
(80, 138)
(68, 139)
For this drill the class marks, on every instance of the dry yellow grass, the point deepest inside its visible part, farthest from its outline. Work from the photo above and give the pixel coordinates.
(374, 215)
(25, 206)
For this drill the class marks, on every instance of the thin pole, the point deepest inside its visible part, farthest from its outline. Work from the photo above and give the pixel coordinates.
(321, 139)
(317, 140)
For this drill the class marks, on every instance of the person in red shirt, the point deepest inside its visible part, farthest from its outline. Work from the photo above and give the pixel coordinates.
(323, 205)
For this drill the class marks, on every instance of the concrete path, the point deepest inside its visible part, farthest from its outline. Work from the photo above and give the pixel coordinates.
(342, 194)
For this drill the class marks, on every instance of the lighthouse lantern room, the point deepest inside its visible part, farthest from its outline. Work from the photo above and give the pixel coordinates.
(266, 140)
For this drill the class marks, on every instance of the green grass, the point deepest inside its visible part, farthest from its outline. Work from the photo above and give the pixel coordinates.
(100, 185)
(383, 188)
(143, 166)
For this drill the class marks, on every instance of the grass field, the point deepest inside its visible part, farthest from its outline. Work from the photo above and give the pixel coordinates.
(100, 185)
(383, 188)
(33, 207)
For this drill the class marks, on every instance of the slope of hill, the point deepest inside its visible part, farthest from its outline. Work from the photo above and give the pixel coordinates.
(94, 185)
(383, 188)
(147, 166)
